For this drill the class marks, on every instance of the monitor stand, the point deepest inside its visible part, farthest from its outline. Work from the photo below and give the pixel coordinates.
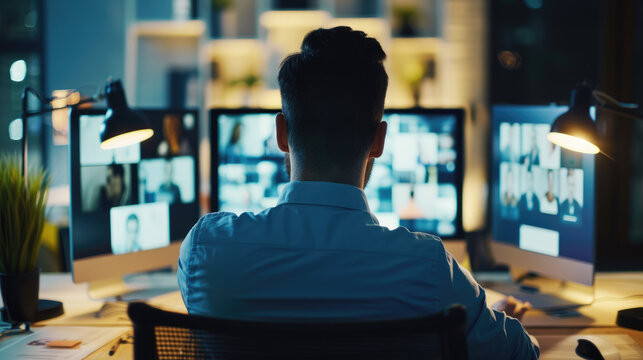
(546, 294)
(116, 294)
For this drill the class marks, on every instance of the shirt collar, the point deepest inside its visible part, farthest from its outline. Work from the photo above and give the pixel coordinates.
(324, 193)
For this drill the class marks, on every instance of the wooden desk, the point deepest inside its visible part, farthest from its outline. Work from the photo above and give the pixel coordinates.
(613, 292)
(124, 352)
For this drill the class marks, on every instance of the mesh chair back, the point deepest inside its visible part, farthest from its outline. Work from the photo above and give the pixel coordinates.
(164, 335)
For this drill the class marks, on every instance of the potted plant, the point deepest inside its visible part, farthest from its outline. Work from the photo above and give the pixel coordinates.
(22, 217)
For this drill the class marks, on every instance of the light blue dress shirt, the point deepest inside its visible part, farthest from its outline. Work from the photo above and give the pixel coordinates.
(321, 255)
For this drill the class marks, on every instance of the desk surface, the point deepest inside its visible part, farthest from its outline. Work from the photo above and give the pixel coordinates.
(614, 291)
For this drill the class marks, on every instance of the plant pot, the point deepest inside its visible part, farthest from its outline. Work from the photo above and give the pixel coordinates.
(20, 296)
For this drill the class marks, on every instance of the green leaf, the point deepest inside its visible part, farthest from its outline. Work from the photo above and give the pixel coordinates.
(22, 215)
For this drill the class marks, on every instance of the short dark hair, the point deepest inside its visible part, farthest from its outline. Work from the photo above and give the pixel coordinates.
(132, 217)
(332, 96)
(117, 170)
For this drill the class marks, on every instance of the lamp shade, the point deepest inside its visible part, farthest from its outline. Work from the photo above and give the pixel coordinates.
(122, 126)
(575, 130)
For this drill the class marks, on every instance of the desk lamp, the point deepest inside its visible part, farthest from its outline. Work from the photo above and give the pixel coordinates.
(575, 130)
(121, 127)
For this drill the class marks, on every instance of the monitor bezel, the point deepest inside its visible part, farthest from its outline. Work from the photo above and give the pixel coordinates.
(105, 266)
(558, 267)
(459, 114)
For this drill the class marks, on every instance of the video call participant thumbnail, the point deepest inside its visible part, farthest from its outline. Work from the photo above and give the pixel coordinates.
(570, 208)
(532, 154)
(174, 135)
(113, 192)
(549, 201)
(169, 180)
(510, 188)
(528, 200)
(103, 187)
(139, 227)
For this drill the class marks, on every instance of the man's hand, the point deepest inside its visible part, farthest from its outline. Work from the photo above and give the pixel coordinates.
(512, 307)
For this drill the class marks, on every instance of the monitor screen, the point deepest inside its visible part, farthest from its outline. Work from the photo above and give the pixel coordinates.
(140, 197)
(417, 183)
(250, 167)
(542, 196)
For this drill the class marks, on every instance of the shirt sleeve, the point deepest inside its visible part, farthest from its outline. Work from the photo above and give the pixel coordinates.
(184, 265)
(491, 334)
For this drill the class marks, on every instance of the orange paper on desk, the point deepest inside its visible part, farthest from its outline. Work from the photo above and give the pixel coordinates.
(67, 344)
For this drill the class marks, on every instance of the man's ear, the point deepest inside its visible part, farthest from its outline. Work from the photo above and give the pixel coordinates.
(378, 142)
(282, 132)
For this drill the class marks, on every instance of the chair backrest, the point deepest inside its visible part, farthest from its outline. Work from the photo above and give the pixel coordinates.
(160, 334)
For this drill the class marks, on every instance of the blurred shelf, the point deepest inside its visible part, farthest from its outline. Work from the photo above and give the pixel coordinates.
(294, 19)
(417, 45)
(170, 28)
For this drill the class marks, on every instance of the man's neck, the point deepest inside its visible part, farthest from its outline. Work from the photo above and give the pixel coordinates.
(348, 177)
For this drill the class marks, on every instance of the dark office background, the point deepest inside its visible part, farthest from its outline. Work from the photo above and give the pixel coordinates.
(537, 51)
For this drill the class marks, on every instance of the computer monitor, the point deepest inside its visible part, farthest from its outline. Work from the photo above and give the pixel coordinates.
(130, 207)
(417, 183)
(542, 197)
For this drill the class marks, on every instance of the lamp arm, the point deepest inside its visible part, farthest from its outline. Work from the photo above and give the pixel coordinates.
(609, 103)
(605, 99)
(26, 115)
(622, 112)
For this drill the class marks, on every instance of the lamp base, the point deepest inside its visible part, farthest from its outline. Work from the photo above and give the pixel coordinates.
(631, 318)
(47, 309)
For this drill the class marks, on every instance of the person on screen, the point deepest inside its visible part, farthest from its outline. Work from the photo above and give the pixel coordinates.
(509, 199)
(132, 227)
(508, 196)
(551, 157)
(168, 191)
(174, 143)
(321, 254)
(234, 151)
(532, 157)
(528, 201)
(411, 211)
(510, 152)
(113, 192)
(570, 209)
(549, 202)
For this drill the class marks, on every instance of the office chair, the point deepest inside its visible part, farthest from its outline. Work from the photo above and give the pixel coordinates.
(160, 334)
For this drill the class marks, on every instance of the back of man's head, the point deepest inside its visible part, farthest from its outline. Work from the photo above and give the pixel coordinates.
(333, 97)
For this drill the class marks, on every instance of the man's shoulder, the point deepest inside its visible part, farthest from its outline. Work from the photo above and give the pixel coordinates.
(220, 227)
(221, 220)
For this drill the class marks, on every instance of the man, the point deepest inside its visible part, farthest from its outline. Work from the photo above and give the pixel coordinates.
(509, 199)
(528, 201)
(320, 254)
(532, 157)
(570, 208)
(549, 202)
(168, 191)
(113, 192)
(132, 243)
(511, 150)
